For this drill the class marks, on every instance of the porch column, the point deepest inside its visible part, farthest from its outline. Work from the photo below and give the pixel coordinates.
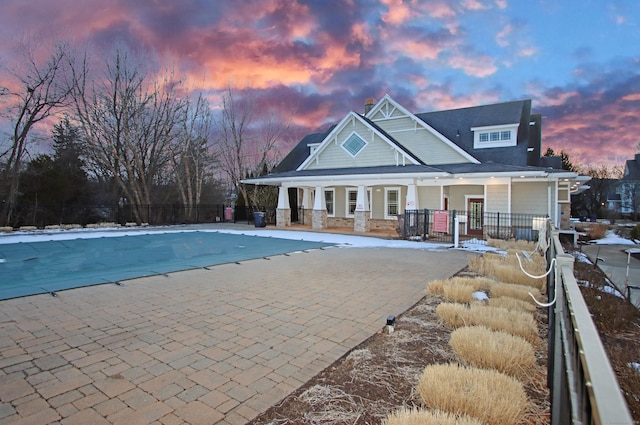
(283, 212)
(362, 215)
(319, 215)
(306, 206)
(411, 202)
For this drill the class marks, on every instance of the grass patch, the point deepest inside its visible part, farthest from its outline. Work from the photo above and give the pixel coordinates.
(428, 417)
(488, 395)
(499, 319)
(481, 347)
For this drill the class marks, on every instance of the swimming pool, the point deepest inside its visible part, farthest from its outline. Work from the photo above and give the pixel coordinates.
(30, 268)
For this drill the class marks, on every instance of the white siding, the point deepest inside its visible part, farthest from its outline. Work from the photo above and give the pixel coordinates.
(497, 198)
(529, 198)
(457, 194)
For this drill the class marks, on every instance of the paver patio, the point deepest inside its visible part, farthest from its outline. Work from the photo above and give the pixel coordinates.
(201, 346)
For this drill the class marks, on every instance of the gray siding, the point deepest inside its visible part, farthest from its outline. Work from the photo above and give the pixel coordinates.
(497, 198)
(529, 198)
(457, 194)
(377, 152)
(429, 197)
(421, 142)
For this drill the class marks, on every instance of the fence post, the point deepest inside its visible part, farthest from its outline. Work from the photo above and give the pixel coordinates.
(426, 225)
(404, 225)
(498, 225)
(453, 224)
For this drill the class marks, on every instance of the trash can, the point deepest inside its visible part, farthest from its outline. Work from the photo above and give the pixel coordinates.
(258, 219)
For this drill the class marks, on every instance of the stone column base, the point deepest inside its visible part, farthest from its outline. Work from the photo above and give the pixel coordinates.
(283, 217)
(319, 219)
(361, 221)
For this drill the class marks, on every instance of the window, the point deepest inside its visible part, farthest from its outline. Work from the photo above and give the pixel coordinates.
(329, 196)
(391, 202)
(352, 196)
(495, 137)
(354, 144)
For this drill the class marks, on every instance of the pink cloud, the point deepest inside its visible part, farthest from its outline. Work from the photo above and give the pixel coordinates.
(397, 13)
(476, 66)
(503, 35)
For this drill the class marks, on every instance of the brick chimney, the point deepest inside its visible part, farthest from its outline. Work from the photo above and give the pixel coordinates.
(368, 105)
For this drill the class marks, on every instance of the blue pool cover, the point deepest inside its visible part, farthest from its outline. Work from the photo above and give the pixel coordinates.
(29, 268)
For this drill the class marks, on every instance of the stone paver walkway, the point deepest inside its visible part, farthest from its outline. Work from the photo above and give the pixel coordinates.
(202, 346)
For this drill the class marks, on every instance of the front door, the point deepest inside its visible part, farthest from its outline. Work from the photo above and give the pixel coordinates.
(475, 210)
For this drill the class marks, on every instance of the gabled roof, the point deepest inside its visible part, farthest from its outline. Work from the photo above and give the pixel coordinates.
(300, 152)
(383, 135)
(456, 125)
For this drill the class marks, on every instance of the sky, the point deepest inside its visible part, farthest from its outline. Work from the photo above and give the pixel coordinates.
(577, 60)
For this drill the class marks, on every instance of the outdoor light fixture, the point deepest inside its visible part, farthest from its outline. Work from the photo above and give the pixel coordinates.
(391, 322)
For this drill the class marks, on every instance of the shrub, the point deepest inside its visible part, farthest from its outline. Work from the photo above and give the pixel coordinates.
(488, 395)
(481, 347)
(499, 319)
(635, 232)
(597, 230)
(428, 417)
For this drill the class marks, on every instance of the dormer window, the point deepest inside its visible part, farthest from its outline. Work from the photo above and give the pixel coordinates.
(354, 144)
(495, 136)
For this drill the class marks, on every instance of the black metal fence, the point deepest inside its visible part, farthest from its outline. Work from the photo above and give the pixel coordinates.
(156, 215)
(439, 225)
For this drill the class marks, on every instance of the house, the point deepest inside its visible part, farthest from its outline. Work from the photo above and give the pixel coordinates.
(372, 166)
(629, 187)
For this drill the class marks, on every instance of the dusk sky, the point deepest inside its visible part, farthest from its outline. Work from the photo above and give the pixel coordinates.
(578, 60)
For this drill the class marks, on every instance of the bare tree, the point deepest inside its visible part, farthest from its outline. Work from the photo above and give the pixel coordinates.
(191, 156)
(129, 118)
(247, 139)
(34, 92)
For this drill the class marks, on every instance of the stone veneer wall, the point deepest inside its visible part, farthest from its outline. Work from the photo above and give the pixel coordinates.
(361, 221)
(283, 217)
(340, 222)
(380, 224)
(319, 219)
(565, 215)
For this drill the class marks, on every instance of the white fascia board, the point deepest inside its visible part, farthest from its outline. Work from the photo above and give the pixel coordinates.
(424, 125)
(324, 143)
(495, 127)
(339, 128)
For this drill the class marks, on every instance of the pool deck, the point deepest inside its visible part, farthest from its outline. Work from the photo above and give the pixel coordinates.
(216, 346)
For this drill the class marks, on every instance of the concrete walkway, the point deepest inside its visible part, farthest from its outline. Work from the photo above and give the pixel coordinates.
(202, 346)
(615, 267)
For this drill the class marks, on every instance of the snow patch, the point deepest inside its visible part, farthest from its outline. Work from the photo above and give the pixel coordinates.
(611, 238)
(480, 295)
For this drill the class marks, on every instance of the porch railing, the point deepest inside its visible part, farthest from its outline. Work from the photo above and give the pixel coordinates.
(584, 388)
(439, 225)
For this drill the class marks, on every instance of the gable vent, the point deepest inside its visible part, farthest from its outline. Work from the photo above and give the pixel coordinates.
(354, 144)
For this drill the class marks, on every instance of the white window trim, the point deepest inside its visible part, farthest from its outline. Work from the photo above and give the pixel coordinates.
(386, 202)
(346, 197)
(333, 190)
(477, 144)
(348, 137)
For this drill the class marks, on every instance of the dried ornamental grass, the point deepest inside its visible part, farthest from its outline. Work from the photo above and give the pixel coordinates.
(481, 347)
(520, 245)
(512, 304)
(458, 293)
(428, 417)
(506, 268)
(512, 290)
(500, 319)
(487, 395)
(436, 287)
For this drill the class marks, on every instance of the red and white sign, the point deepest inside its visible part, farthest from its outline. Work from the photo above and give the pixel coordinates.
(441, 221)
